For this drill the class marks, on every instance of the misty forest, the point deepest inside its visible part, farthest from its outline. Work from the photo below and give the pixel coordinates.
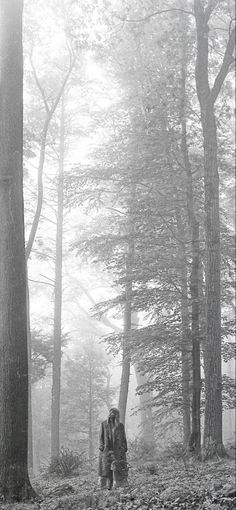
(117, 254)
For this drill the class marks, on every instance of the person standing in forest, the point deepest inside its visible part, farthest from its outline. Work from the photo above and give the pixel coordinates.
(113, 471)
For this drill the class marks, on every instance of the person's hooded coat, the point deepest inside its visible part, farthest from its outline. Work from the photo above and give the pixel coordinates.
(112, 445)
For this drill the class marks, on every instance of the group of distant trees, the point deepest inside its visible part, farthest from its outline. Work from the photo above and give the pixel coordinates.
(86, 393)
(161, 230)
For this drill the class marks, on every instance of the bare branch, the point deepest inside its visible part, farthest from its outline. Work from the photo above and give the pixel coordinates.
(40, 282)
(49, 116)
(156, 13)
(212, 4)
(227, 61)
(116, 210)
(39, 84)
(47, 278)
(230, 25)
(61, 90)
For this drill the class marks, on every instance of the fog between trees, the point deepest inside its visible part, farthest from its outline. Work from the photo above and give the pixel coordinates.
(126, 297)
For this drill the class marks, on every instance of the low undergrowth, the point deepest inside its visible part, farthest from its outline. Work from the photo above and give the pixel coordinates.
(155, 484)
(66, 464)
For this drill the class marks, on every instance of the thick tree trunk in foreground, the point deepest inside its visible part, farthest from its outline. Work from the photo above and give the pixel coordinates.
(14, 481)
(56, 367)
(30, 420)
(207, 96)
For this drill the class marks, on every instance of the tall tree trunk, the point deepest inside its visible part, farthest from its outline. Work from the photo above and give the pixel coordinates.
(49, 115)
(186, 335)
(90, 412)
(126, 360)
(37, 215)
(125, 374)
(213, 443)
(185, 354)
(147, 430)
(56, 367)
(108, 390)
(195, 438)
(213, 408)
(30, 420)
(14, 480)
(185, 347)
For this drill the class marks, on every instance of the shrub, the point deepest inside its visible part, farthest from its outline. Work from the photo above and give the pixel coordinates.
(140, 449)
(175, 451)
(66, 464)
(152, 469)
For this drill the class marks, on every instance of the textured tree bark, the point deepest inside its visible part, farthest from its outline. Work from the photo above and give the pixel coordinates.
(56, 366)
(195, 437)
(30, 420)
(213, 443)
(14, 480)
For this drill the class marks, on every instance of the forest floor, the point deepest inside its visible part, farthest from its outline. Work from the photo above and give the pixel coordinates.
(167, 483)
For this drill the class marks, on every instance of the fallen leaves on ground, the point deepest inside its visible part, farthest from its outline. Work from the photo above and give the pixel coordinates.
(157, 485)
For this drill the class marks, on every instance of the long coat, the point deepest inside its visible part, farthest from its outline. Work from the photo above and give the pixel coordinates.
(107, 444)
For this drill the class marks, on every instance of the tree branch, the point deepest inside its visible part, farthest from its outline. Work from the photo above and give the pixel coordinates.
(47, 278)
(212, 4)
(40, 282)
(39, 84)
(107, 322)
(156, 13)
(49, 115)
(201, 72)
(227, 61)
(59, 95)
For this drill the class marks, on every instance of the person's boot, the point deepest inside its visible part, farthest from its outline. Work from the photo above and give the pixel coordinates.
(110, 482)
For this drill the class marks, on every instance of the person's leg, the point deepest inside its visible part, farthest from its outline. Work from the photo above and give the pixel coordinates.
(110, 480)
(115, 480)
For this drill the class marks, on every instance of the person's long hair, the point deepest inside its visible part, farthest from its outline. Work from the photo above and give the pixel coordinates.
(117, 416)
